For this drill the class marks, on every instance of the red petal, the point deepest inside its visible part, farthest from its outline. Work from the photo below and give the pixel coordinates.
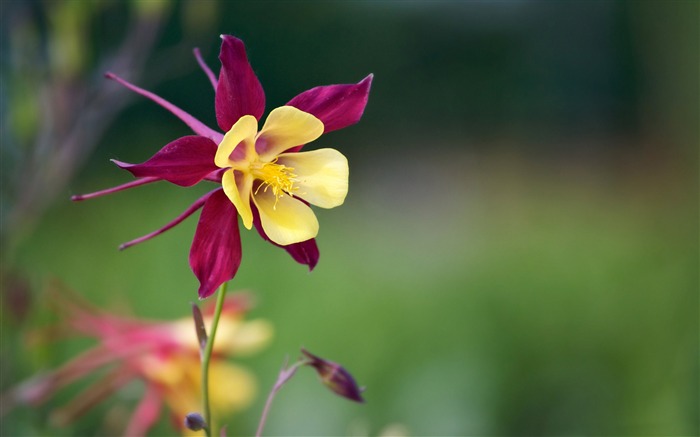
(216, 249)
(305, 252)
(337, 106)
(183, 162)
(238, 92)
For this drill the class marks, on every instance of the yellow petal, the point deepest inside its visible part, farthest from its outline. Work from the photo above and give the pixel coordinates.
(243, 131)
(285, 220)
(231, 388)
(237, 187)
(235, 336)
(183, 396)
(162, 370)
(285, 128)
(321, 176)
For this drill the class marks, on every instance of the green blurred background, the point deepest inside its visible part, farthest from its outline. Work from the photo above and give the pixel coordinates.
(518, 254)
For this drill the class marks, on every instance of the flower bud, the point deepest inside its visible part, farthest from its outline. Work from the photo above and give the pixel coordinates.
(195, 422)
(334, 377)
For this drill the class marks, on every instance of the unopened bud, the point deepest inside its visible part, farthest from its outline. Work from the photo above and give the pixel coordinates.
(195, 422)
(335, 377)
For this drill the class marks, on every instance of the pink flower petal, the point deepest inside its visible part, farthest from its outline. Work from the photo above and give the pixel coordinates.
(216, 249)
(337, 106)
(305, 252)
(239, 91)
(197, 126)
(146, 414)
(183, 162)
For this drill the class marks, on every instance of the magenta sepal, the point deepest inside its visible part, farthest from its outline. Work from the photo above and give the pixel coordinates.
(197, 126)
(203, 65)
(305, 252)
(122, 187)
(337, 106)
(188, 212)
(183, 162)
(216, 248)
(238, 91)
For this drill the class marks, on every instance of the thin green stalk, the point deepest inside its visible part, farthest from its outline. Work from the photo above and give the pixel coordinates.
(211, 428)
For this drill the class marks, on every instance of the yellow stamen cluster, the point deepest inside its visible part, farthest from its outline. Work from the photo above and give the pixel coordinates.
(278, 177)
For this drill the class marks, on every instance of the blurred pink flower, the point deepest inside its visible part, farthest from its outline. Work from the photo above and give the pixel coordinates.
(264, 178)
(163, 355)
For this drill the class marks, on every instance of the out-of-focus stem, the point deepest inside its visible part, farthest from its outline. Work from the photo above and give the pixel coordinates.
(285, 375)
(211, 428)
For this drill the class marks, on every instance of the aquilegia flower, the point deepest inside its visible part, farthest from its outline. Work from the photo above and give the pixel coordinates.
(165, 356)
(264, 177)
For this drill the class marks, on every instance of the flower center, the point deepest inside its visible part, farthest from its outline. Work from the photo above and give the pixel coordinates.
(277, 177)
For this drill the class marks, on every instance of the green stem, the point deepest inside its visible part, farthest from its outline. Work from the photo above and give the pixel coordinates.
(207, 356)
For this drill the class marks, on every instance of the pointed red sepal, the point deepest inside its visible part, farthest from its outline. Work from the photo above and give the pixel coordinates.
(197, 126)
(216, 249)
(305, 252)
(203, 65)
(238, 91)
(122, 187)
(183, 162)
(188, 212)
(337, 106)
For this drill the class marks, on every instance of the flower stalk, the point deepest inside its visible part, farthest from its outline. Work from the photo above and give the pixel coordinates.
(333, 376)
(206, 357)
(285, 375)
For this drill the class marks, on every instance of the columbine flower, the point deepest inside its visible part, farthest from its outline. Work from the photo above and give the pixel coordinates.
(164, 355)
(264, 177)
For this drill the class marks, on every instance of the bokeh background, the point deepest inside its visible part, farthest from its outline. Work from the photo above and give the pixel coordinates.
(518, 254)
